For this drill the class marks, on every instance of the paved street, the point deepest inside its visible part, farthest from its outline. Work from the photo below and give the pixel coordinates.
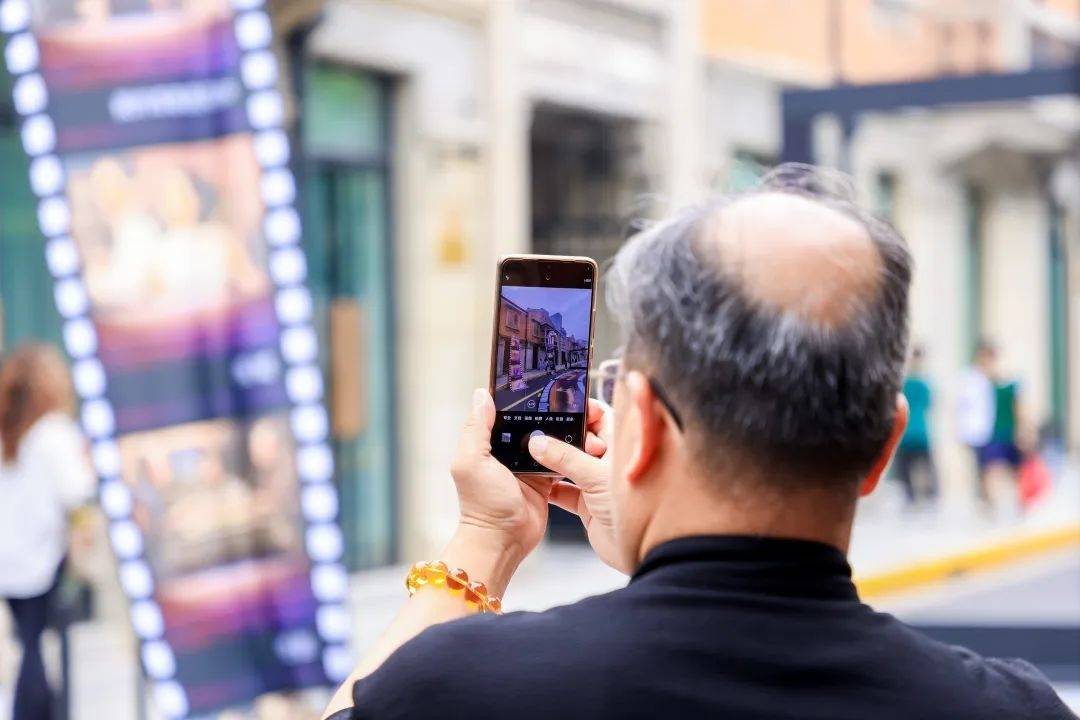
(507, 399)
(565, 394)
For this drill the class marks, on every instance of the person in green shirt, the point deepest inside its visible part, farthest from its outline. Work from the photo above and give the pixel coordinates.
(1002, 453)
(914, 457)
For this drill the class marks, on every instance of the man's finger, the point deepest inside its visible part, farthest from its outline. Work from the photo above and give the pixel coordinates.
(598, 419)
(594, 411)
(567, 496)
(539, 483)
(594, 445)
(566, 460)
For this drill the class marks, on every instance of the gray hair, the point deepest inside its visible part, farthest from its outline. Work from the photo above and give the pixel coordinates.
(790, 397)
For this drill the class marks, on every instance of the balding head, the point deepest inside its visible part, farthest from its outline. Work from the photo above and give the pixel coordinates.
(796, 255)
(777, 321)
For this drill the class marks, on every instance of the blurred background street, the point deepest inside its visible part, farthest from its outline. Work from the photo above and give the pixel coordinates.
(427, 138)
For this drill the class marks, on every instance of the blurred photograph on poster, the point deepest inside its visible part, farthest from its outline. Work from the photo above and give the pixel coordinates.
(176, 273)
(218, 505)
(156, 147)
(124, 73)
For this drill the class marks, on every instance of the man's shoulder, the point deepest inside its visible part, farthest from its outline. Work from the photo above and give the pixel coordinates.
(978, 686)
(522, 639)
(490, 663)
(1013, 687)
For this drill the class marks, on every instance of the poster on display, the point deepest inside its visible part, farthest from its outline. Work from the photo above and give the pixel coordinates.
(153, 130)
(517, 365)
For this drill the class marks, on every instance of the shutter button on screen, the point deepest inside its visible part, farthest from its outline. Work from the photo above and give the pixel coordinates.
(525, 440)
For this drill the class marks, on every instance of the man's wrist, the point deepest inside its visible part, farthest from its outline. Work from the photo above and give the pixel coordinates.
(486, 554)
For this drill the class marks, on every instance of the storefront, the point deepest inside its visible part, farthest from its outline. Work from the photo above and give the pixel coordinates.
(586, 170)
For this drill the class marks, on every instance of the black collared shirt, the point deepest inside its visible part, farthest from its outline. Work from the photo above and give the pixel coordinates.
(718, 627)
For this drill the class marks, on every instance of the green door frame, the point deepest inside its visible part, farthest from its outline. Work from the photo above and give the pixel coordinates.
(27, 310)
(305, 166)
(1058, 300)
(973, 270)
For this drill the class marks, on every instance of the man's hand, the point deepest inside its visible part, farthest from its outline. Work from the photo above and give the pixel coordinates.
(497, 509)
(590, 498)
(502, 520)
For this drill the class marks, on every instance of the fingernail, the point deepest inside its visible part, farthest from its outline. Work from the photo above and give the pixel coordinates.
(479, 397)
(538, 444)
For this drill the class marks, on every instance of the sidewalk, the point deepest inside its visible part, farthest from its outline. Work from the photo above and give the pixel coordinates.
(502, 381)
(892, 552)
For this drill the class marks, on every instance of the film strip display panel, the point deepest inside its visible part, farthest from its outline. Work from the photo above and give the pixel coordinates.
(160, 167)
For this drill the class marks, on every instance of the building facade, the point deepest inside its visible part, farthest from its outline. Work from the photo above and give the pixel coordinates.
(433, 136)
(985, 194)
(509, 126)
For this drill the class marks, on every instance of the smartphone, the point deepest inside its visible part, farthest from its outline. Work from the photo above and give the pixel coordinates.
(541, 351)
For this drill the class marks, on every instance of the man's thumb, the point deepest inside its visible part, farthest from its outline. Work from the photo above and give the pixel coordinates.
(565, 459)
(481, 416)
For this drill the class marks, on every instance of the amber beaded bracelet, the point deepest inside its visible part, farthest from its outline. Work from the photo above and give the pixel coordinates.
(437, 574)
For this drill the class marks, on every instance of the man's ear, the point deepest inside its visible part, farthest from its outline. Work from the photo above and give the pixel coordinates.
(647, 425)
(900, 422)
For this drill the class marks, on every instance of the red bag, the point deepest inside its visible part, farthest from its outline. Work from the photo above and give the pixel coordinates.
(1034, 480)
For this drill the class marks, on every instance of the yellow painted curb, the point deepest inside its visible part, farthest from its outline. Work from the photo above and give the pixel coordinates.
(992, 555)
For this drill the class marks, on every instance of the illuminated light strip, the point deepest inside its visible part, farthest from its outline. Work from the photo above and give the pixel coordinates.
(308, 419)
(299, 347)
(14, 16)
(46, 176)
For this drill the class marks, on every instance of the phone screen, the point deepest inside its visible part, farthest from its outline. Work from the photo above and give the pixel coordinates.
(540, 359)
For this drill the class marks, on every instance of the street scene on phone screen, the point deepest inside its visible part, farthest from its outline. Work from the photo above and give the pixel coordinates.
(542, 349)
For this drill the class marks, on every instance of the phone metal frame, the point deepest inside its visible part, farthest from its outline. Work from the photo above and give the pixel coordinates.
(569, 259)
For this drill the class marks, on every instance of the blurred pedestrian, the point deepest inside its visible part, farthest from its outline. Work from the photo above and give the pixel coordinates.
(758, 398)
(975, 411)
(1001, 456)
(992, 423)
(914, 462)
(44, 475)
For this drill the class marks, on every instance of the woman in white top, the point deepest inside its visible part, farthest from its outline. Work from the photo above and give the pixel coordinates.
(44, 474)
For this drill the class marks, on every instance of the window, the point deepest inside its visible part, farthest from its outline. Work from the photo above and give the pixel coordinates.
(973, 269)
(747, 168)
(885, 195)
(893, 13)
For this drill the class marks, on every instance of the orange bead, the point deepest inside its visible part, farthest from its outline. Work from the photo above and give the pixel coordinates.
(479, 588)
(494, 605)
(437, 572)
(437, 575)
(458, 579)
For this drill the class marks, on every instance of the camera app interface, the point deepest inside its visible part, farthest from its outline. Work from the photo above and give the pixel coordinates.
(541, 365)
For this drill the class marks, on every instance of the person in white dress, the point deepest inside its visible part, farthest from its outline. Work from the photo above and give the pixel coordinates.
(44, 476)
